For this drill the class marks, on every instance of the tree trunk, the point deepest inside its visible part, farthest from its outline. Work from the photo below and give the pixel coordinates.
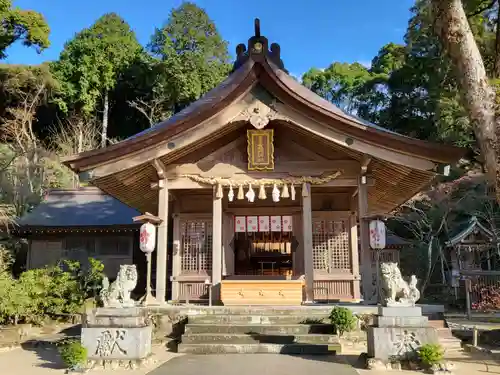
(76, 180)
(453, 28)
(429, 266)
(105, 120)
(497, 46)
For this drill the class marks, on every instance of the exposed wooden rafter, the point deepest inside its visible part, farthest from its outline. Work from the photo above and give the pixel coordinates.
(365, 162)
(160, 168)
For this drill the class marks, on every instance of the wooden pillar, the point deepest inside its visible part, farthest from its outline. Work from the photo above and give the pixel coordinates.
(216, 247)
(308, 243)
(355, 256)
(364, 240)
(176, 260)
(228, 251)
(161, 252)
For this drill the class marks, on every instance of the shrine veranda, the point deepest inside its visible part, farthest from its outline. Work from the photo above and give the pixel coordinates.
(262, 190)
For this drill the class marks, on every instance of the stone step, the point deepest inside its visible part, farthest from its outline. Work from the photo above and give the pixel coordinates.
(444, 333)
(310, 349)
(228, 338)
(437, 323)
(275, 329)
(268, 310)
(256, 319)
(451, 344)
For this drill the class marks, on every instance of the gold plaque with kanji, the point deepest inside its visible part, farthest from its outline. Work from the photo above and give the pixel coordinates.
(260, 150)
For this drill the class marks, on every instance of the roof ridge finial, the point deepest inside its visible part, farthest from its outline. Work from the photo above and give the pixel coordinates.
(257, 27)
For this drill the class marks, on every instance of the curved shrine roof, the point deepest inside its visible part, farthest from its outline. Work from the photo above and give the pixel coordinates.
(262, 66)
(259, 65)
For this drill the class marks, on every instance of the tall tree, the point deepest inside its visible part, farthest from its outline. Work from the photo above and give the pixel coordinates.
(194, 55)
(478, 96)
(27, 26)
(90, 63)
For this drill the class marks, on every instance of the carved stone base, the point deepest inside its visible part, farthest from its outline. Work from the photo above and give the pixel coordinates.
(113, 364)
(115, 335)
(377, 364)
(389, 343)
(443, 368)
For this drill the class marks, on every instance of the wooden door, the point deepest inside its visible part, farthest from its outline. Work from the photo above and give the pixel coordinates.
(332, 256)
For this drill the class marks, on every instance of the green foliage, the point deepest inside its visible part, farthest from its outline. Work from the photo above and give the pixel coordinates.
(193, 54)
(57, 291)
(90, 63)
(73, 353)
(27, 26)
(342, 319)
(430, 354)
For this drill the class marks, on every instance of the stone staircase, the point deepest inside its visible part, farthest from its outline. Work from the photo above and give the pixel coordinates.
(275, 330)
(449, 342)
(258, 331)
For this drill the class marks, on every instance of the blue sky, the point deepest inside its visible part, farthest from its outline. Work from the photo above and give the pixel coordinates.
(312, 33)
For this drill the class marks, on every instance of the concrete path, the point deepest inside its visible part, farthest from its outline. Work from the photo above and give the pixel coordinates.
(248, 364)
(46, 361)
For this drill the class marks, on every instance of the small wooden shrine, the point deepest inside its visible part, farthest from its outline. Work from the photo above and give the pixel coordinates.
(265, 183)
(473, 248)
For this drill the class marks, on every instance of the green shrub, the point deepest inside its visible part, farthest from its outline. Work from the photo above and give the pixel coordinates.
(58, 291)
(342, 319)
(73, 353)
(430, 354)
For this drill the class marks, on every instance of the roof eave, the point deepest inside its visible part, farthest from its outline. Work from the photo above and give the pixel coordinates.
(432, 151)
(244, 77)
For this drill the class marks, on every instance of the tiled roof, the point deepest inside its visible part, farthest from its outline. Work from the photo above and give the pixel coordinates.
(85, 207)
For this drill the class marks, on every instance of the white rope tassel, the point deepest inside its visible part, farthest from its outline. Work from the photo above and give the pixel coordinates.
(262, 192)
(276, 194)
(305, 190)
(250, 194)
(219, 194)
(284, 191)
(241, 193)
(292, 192)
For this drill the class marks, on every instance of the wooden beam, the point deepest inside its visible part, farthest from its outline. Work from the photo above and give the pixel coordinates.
(293, 168)
(216, 247)
(147, 218)
(307, 233)
(364, 243)
(187, 183)
(365, 162)
(160, 168)
(374, 150)
(162, 243)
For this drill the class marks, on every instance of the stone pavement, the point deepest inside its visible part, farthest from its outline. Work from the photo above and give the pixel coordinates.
(46, 362)
(252, 364)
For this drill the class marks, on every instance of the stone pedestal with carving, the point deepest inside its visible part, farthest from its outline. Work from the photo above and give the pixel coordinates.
(398, 332)
(117, 336)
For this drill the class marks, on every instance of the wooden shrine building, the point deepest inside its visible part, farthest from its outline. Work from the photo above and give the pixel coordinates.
(265, 182)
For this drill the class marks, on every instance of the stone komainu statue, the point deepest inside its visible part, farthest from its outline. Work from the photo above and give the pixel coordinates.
(117, 294)
(394, 290)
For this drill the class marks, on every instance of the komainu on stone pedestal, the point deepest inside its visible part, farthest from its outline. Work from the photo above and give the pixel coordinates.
(117, 294)
(395, 291)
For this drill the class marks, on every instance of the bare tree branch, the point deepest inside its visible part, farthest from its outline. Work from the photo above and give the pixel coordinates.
(482, 9)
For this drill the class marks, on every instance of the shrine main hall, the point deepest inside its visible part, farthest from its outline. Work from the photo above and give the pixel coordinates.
(262, 190)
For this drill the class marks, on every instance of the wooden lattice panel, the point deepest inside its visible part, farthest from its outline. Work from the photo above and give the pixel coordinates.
(331, 252)
(196, 246)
